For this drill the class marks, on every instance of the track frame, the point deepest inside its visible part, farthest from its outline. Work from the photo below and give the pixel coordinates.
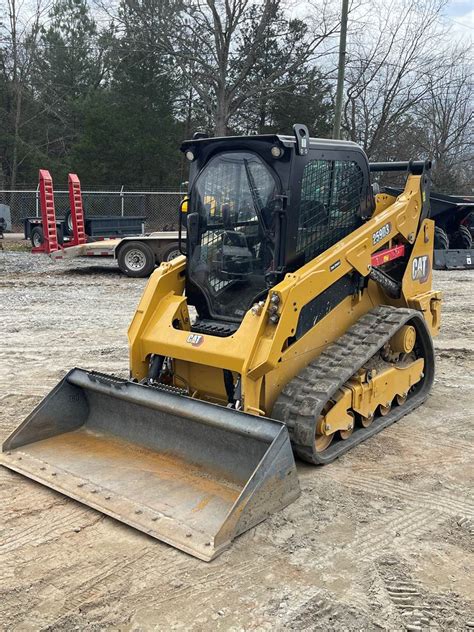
(303, 400)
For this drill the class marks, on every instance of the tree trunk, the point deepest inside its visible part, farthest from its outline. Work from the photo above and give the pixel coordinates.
(222, 113)
(262, 116)
(16, 135)
(221, 122)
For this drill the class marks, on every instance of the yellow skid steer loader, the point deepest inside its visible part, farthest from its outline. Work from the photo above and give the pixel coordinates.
(310, 332)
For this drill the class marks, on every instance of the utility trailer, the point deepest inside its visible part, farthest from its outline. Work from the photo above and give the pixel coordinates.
(107, 227)
(137, 254)
(454, 229)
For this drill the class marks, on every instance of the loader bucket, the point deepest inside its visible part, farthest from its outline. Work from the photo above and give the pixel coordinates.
(192, 474)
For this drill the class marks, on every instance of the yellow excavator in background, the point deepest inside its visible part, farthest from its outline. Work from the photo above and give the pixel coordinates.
(310, 330)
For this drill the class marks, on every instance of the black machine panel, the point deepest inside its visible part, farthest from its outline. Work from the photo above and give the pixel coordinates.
(322, 304)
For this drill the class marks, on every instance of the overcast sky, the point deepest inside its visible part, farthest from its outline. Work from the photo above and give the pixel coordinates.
(460, 14)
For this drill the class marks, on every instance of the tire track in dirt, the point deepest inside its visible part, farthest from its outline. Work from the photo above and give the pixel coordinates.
(466, 524)
(25, 511)
(7, 478)
(48, 525)
(441, 438)
(24, 398)
(393, 489)
(207, 583)
(395, 529)
(408, 466)
(415, 611)
(318, 608)
(419, 608)
(89, 592)
(42, 531)
(248, 577)
(96, 590)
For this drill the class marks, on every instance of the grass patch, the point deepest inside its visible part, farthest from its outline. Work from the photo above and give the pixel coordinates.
(15, 246)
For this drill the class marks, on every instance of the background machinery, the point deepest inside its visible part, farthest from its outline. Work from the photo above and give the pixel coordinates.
(311, 329)
(121, 237)
(454, 227)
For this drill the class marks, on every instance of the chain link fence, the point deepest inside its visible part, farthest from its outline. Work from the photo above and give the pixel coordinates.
(160, 208)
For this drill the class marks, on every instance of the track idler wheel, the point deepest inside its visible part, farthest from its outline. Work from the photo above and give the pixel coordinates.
(322, 440)
(345, 434)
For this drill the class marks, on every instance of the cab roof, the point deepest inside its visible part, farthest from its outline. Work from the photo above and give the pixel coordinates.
(283, 139)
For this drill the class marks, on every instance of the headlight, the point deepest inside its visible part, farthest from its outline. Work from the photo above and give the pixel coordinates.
(190, 155)
(277, 152)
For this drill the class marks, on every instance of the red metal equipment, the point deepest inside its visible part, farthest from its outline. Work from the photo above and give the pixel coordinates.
(50, 243)
(383, 256)
(77, 212)
(48, 214)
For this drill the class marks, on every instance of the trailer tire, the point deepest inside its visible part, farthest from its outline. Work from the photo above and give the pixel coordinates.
(461, 239)
(60, 234)
(37, 237)
(136, 259)
(441, 239)
(170, 252)
(67, 224)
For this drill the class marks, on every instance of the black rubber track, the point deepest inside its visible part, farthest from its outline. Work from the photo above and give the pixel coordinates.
(303, 399)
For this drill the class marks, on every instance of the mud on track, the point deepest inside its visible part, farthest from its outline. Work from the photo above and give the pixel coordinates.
(382, 539)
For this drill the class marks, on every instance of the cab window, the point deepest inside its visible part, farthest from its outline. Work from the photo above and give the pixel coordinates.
(331, 194)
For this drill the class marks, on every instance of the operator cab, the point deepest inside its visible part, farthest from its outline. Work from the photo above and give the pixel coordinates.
(262, 206)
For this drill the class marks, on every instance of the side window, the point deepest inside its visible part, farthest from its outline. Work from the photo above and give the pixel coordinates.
(331, 193)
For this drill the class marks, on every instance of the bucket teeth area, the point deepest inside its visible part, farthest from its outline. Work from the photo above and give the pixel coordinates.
(70, 464)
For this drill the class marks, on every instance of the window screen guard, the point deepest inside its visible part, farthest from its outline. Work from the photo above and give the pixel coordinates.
(331, 193)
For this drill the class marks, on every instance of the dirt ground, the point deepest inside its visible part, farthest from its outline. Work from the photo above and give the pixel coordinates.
(382, 539)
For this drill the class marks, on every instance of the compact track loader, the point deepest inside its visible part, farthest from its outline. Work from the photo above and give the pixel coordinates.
(311, 331)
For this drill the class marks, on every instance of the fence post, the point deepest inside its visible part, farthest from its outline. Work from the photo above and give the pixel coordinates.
(122, 200)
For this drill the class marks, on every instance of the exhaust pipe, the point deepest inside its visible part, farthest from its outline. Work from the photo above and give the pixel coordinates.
(190, 473)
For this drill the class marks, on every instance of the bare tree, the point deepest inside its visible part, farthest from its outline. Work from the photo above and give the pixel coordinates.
(231, 36)
(393, 64)
(445, 121)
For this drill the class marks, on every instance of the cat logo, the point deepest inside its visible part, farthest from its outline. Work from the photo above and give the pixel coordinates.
(420, 268)
(195, 339)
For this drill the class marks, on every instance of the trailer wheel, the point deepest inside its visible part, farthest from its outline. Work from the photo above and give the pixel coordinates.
(461, 239)
(37, 237)
(441, 240)
(136, 259)
(171, 252)
(67, 224)
(60, 234)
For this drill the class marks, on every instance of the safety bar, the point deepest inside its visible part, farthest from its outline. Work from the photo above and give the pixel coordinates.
(416, 167)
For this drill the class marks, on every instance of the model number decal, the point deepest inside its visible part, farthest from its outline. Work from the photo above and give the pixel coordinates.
(420, 268)
(195, 339)
(381, 233)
